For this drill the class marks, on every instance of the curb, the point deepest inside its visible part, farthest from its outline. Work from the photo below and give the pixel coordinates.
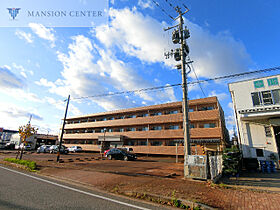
(167, 200)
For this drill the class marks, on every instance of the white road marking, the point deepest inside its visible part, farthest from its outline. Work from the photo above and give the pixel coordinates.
(76, 190)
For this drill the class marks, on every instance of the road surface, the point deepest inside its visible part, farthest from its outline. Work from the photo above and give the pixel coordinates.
(22, 190)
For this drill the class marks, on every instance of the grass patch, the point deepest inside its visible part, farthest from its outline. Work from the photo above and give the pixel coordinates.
(29, 164)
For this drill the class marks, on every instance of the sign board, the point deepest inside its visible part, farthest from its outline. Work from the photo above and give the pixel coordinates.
(272, 81)
(110, 138)
(258, 84)
(53, 13)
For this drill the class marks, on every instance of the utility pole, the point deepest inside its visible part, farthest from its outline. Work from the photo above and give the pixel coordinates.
(179, 36)
(62, 131)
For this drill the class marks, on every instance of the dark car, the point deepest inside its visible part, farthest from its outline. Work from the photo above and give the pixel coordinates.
(120, 154)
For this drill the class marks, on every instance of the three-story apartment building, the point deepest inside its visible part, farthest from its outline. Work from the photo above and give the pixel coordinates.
(151, 129)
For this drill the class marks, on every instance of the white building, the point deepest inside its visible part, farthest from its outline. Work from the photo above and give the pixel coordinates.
(256, 105)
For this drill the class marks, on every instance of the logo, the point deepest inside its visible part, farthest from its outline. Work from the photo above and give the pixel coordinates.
(13, 12)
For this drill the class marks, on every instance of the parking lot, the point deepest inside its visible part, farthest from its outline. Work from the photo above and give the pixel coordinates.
(143, 166)
(159, 176)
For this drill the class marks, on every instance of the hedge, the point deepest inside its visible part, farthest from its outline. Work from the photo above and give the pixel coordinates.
(30, 164)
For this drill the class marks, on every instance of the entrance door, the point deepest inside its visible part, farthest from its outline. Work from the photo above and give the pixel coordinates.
(277, 137)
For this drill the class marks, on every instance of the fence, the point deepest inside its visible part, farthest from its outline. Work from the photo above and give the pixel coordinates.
(216, 167)
(203, 167)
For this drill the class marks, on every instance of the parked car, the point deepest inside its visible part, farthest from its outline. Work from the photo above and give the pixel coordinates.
(25, 147)
(10, 145)
(43, 148)
(105, 152)
(120, 154)
(75, 149)
(63, 149)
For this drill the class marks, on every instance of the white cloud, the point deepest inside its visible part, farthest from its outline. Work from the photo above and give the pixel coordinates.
(143, 37)
(43, 32)
(82, 76)
(45, 83)
(91, 69)
(230, 105)
(135, 34)
(9, 80)
(15, 116)
(145, 4)
(25, 36)
(230, 120)
(216, 54)
(22, 70)
(221, 96)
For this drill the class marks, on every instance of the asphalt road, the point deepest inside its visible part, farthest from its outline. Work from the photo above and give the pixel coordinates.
(22, 190)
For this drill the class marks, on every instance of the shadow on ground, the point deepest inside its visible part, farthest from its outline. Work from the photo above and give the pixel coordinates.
(267, 181)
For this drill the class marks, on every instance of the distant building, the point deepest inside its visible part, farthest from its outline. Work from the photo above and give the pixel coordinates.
(5, 136)
(35, 140)
(151, 129)
(256, 104)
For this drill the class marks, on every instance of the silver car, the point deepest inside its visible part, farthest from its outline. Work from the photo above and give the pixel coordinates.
(43, 149)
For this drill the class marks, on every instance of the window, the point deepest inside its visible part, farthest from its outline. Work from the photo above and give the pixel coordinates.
(173, 127)
(119, 130)
(205, 108)
(267, 97)
(156, 128)
(209, 125)
(191, 109)
(172, 112)
(156, 114)
(143, 129)
(259, 152)
(267, 131)
(131, 129)
(143, 143)
(156, 143)
(110, 130)
(192, 126)
(276, 96)
(256, 98)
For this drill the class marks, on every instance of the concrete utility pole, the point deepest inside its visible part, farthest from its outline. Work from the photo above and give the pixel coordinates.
(62, 131)
(179, 36)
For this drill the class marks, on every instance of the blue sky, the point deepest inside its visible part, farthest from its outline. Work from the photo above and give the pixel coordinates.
(40, 66)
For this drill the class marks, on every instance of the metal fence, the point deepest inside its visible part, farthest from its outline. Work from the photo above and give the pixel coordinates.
(204, 167)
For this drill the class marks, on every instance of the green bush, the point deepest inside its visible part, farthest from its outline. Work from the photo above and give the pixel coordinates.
(30, 164)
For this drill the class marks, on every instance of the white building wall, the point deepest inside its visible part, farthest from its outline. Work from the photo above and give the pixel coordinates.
(251, 132)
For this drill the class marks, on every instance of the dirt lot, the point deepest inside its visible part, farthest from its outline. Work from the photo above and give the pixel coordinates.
(148, 175)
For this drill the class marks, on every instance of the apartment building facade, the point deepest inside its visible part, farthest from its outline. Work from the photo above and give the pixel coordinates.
(256, 105)
(151, 129)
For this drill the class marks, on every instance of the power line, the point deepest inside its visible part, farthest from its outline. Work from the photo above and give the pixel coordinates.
(179, 84)
(162, 9)
(197, 78)
(170, 4)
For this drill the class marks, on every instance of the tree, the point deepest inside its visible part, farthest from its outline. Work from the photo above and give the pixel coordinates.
(25, 132)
